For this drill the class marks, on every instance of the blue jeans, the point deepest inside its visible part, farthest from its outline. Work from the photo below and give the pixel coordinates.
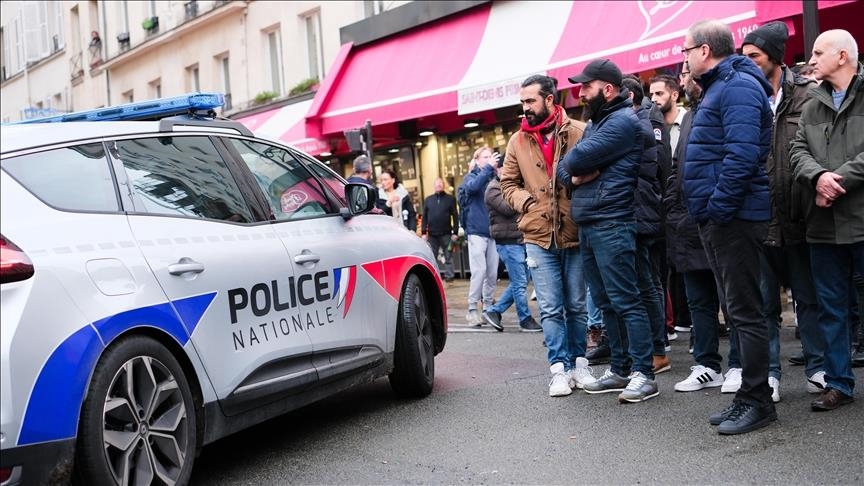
(513, 257)
(649, 293)
(560, 287)
(791, 264)
(704, 305)
(595, 317)
(609, 257)
(832, 267)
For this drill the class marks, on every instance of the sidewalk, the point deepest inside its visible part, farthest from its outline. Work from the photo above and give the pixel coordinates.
(457, 307)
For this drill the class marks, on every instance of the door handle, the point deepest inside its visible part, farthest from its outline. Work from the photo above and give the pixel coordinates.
(185, 265)
(306, 258)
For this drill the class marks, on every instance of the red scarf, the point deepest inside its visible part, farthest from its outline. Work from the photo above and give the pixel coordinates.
(548, 126)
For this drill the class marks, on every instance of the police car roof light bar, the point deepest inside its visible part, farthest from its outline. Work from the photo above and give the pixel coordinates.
(189, 104)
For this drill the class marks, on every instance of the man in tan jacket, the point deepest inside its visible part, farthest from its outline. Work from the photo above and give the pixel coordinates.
(551, 237)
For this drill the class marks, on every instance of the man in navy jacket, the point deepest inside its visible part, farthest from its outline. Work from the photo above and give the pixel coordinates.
(603, 169)
(726, 189)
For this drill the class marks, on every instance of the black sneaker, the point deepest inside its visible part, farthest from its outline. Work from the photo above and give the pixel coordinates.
(858, 356)
(530, 325)
(720, 417)
(600, 354)
(747, 417)
(493, 319)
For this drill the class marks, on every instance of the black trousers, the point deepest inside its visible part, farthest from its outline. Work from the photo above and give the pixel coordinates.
(734, 251)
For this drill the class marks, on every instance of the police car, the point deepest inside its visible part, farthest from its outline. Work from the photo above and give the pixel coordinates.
(171, 281)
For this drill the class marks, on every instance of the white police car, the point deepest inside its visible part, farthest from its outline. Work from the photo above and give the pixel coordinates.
(166, 283)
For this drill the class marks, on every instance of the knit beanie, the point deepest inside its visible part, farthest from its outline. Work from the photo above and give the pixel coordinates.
(771, 39)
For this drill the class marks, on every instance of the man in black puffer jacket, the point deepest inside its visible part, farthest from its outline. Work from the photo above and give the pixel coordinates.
(603, 169)
(648, 224)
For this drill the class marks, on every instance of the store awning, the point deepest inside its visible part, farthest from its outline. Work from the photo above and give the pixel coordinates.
(475, 61)
(287, 124)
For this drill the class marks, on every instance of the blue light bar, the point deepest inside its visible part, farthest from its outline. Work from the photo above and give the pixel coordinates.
(142, 110)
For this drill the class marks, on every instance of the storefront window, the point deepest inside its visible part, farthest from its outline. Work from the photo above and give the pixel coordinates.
(457, 150)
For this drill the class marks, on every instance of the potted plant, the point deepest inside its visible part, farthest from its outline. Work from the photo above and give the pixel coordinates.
(304, 86)
(150, 23)
(264, 97)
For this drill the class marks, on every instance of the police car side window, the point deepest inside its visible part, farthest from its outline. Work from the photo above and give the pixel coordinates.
(74, 178)
(181, 176)
(289, 188)
(329, 178)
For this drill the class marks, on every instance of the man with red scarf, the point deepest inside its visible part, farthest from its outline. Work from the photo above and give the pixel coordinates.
(529, 184)
(605, 169)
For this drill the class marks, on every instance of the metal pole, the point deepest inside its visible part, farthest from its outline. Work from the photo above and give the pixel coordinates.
(368, 127)
(811, 26)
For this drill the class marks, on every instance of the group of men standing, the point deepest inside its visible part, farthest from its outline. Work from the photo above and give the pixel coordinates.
(767, 177)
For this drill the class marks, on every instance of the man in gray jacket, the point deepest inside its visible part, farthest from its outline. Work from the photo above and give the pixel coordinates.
(828, 162)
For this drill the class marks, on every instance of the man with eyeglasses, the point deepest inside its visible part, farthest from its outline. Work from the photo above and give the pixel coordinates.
(602, 170)
(726, 189)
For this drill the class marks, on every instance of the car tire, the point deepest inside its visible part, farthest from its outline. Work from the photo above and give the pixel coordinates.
(138, 419)
(414, 357)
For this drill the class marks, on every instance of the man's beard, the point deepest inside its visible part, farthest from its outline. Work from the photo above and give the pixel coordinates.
(666, 106)
(535, 119)
(593, 106)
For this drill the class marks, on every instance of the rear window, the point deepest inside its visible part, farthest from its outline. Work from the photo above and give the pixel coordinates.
(73, 178)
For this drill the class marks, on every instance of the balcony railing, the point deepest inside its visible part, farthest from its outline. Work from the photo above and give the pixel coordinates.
(76, 65)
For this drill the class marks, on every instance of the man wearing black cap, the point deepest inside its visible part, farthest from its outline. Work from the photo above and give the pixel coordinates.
(603, 169)
(786, 257)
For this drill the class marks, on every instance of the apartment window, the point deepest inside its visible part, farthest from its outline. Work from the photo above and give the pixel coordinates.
(129, 96)
(314, 45)
(372, 7)
(193, 82)
(156, 88)
(274, 55)
(225, 73)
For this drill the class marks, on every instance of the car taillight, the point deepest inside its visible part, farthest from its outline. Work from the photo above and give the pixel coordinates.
(14, 264)
(5, 474)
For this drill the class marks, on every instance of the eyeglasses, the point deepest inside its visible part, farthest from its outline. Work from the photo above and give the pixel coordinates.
(688, 49)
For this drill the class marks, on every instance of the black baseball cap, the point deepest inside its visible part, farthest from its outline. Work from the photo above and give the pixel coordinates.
(602, 69)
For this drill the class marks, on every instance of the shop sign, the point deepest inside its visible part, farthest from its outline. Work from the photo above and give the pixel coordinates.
(489, 96)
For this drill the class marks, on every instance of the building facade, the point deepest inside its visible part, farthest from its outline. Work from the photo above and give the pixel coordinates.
(61, 56)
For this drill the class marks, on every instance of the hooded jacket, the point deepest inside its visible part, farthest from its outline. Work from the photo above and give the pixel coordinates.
(542, 202)
(612, 144)
(475, 216)
(829, 139)
(788, 198)
(724, 174)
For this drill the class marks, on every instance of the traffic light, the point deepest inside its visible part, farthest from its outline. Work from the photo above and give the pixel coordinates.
(360, 139)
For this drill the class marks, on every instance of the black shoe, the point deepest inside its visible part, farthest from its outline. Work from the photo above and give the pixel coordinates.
(599, 355)
(858, 357)
(721, 416)
(797, 360)
(746, 417)
(493, 319)
(530, 325)
(723, 331)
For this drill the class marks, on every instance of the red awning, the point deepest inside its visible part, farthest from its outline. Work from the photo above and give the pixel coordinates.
(475, 61)
(287, 124)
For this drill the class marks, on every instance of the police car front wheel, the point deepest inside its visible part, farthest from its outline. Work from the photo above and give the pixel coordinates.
(414, 357)
(138, 420)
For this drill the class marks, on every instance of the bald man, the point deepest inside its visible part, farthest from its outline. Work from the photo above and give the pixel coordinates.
(827, 158)
(440, 225)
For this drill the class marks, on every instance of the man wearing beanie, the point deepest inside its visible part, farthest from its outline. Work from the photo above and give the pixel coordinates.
(787, 256)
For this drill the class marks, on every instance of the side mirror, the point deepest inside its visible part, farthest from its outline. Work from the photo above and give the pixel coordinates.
(361, 199)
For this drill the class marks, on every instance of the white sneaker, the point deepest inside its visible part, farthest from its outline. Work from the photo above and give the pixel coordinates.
(582, 374)
(559, 386)
(732, 382)
(700, 377)
(671, 336)
(774, 383)
(816, 383)
(473, 318)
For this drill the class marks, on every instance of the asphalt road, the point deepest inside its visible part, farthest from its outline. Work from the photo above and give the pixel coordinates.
(490, 421)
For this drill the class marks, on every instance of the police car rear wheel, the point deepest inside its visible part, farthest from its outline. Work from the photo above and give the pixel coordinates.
(414, 357)
(138, 420)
